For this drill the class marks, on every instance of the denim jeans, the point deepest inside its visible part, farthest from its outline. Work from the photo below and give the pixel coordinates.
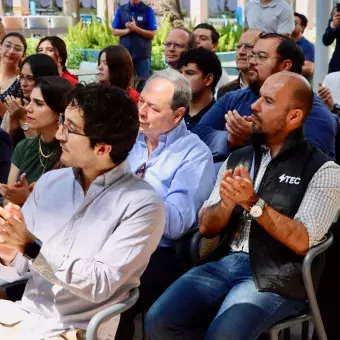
(142, 67)
(218, 300)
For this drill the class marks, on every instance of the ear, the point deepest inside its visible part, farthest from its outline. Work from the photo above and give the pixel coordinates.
(103, 149)
(214, 48)
(178, 114)
(209, 79)
(286, 65)
(295, 117)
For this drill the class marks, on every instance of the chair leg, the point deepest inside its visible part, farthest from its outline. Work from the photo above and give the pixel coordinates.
(273, 335)
(286, 334)
(305, 330)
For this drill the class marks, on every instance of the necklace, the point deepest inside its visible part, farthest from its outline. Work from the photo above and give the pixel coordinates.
(42, 153)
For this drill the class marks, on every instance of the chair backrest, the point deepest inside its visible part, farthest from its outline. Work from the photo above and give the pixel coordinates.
(13, 23)
(37, 22)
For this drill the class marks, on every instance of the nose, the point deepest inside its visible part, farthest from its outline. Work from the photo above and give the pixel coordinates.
(142, 110)
(59, 133)
(256, 106)
(29, 107)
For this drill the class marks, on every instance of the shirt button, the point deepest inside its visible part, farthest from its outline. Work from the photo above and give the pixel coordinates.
(67, 242)
(43, 293)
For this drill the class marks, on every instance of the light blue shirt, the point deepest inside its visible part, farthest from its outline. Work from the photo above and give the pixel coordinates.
(181, 170)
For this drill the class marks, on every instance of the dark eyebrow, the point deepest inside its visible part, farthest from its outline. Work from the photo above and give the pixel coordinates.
(38, 101)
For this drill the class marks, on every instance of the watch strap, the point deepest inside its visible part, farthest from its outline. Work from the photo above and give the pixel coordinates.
(32, 250)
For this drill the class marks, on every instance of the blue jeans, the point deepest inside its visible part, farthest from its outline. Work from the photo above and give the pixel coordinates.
(142, 67)
(218, 301)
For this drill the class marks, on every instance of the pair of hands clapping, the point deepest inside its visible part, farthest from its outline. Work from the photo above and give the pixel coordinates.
(239, 128)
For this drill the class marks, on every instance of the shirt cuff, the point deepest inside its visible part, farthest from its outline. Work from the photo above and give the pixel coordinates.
(332, 26)
(15, 269)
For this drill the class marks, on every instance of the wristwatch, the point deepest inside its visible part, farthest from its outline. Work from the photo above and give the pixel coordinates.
(336, 109)
(25, 126)
(257, 209)
(32, 250)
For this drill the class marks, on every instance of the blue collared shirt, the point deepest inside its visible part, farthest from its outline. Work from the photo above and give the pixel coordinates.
(181, 170)
(307, 49)
(320, 126)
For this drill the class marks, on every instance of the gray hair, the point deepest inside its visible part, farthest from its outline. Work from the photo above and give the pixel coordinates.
(182, 94)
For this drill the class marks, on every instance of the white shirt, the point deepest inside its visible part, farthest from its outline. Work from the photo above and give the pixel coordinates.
(332, 82)
(95, 246)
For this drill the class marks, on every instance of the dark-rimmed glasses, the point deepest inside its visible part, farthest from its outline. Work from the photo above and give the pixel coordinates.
(65, 130)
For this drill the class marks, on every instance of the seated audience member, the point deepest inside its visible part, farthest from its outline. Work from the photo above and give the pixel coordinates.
(244, 47)
(115, 68)
(226, 126)
(55, 47)
(329, 92)
(207, 37)
(180, 168)
(203, 69)
(306, 46)
(14, 120)
(89, 250)
(32, 157)
(178, 41)
(12, 50)
(255, 273)
(271, 16)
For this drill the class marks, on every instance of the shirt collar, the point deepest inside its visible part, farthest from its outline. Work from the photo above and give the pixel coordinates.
(169, 137)
(134, 8)
(273, 3)
(108, 178)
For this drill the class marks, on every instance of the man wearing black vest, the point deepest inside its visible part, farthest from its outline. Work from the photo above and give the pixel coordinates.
(135, 24)
(273, 200)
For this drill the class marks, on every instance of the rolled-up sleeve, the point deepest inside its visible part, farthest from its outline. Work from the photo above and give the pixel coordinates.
(321, 202)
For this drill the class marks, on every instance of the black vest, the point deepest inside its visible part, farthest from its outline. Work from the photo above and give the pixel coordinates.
(138, 46)
(275, 267)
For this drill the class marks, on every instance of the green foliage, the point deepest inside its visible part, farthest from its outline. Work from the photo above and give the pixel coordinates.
(99, 35)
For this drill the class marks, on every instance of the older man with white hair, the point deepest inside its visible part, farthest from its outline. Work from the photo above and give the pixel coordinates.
(180, 168)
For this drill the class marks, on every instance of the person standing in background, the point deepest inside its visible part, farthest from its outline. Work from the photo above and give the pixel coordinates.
(333, 33)
(270, 16)
(306, 46)
(135, 24)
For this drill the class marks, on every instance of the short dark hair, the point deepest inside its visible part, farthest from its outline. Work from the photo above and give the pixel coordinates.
(41, 65)
(304, 20)
(206, 61)
(287, 49)
(214, 34)
(120, 66)
(110, 117)
(17, 35)
(59, 47)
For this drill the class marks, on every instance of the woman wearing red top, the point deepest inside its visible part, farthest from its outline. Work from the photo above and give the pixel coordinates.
(55, 47)
(115, 67)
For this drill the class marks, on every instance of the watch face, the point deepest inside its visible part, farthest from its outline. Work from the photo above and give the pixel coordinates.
(256, 211)
(25, 126)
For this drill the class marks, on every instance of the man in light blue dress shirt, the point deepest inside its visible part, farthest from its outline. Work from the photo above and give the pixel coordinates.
(180, 168)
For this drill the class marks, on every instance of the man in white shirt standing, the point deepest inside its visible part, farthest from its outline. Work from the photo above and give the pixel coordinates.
(270, 16)
(87, 231)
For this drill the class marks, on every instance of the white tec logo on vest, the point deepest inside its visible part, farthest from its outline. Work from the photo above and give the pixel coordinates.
(289, 179)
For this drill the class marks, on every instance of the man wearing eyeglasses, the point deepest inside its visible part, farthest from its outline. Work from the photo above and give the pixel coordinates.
(226, 125)
(244, 47)
(87, 231)
(178, 41)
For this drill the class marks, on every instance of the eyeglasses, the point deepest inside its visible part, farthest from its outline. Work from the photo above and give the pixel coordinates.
(259, 58)
(140, 172)
(247, 46)
(29, 80)
(16, 49)
(168, 44)
(65, 130)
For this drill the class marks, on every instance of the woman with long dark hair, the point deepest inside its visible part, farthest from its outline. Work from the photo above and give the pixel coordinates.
(115, 68)
(14, 121)
(12, 50)
(55, 47)
(32, 157)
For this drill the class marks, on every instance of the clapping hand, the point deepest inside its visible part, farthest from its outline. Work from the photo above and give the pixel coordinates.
(237, 186)
(131, 25)
(326, 96)
(239, 128)
(17, 192)
(15, 109)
